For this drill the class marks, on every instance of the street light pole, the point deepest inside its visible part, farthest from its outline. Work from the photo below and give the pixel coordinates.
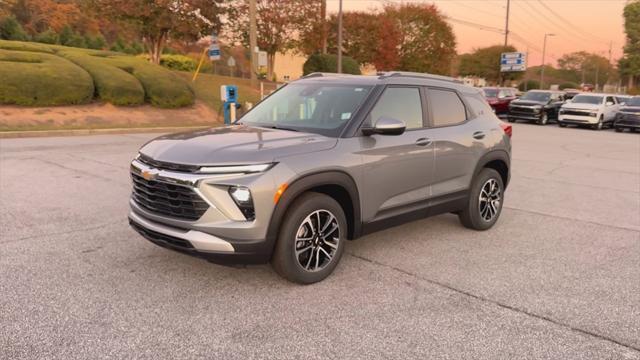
(340, 37)
(253, 42)
(544, 50)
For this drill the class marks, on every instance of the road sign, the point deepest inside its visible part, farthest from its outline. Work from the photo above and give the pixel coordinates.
(262, 58)
(214, 52)
(231, 62)
(513, 61)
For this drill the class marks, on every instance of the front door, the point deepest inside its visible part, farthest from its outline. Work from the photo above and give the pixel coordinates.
(397, 169)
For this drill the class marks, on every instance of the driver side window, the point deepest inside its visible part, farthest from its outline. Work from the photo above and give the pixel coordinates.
(399, 103)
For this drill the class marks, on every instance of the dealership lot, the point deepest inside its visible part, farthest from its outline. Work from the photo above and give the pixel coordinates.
(558, 277)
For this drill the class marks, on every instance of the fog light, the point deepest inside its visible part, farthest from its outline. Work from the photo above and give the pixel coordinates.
(242, 197)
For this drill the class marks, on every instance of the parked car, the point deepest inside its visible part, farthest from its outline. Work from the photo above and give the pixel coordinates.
(539, 106)
(323, 159)
(628, 117)
(570, 93)
(591, 109)
(499, 98)
(622, 99)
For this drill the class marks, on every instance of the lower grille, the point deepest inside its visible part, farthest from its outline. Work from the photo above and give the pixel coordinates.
(161, 239)
(575, 113)
(171, 200)
(525, 110)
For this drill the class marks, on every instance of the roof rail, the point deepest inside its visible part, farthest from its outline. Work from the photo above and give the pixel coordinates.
(321, 74)
(384, 75)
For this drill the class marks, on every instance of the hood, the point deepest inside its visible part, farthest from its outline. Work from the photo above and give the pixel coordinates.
(573, 106)
(238, 144)
(630, 109)
(528, 102)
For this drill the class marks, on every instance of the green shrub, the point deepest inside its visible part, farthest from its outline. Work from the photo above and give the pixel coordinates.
(568, 85)
(10, 29)
(329, 63)
(175, 62)
(96, 42)
(39, 79)
(47, 37)
(531, 85)
(25, 46)
(113, 85)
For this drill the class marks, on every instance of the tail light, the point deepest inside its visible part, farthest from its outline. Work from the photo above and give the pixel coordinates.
(507, 129)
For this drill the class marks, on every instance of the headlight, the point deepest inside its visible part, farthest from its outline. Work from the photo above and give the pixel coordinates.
(561, 111)
(236, 169)
(593, 113)
(242, 197)
(537, 108)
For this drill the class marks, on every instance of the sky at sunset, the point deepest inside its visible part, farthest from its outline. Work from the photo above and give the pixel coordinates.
(588, 25)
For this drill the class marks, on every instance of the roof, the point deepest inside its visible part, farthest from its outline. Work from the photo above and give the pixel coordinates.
(392, 77)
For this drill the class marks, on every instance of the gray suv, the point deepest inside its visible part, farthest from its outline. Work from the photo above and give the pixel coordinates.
(324, 159)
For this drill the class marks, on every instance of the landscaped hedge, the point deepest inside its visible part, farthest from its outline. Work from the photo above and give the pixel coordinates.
(113, 85)
(119, 79)
(40, 79)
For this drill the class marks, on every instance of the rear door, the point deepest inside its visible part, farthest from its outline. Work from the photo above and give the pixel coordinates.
(397, 169)
(458, 142)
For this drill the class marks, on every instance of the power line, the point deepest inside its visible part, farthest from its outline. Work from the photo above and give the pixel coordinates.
(571, 25)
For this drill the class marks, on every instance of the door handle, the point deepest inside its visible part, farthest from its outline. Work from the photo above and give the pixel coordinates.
(478, 135)
(423, 142)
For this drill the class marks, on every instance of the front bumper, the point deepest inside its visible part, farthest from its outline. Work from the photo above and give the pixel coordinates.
(520, 115)
(577, 119)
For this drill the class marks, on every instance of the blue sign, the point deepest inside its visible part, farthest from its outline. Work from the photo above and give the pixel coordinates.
(513, 61)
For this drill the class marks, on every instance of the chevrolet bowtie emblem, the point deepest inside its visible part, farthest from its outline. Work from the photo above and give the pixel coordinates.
(149, 175)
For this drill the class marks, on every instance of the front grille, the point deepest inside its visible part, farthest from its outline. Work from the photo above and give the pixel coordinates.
(520, 109)
(161, 239)
(163, 165)
(167, 199)
(575, 112)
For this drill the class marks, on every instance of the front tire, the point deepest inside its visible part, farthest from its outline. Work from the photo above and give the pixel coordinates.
(311, 239)
(485, 201)
(600, 123)
(544, 118)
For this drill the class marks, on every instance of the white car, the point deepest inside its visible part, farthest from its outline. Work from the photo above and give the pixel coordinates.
(595, 110)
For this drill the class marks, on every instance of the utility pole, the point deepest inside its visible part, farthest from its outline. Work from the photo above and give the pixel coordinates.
(253, 42)
(340, 37)
(506, 26)
(323, 15)
(544, 50)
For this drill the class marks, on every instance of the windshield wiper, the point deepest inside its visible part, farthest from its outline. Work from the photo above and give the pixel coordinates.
(280, 128)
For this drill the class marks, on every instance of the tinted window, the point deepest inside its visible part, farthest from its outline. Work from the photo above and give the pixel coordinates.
(311, 107)
(634, 101)
(587, 99)
(490, 92)
(536, 96)
(401, 104)
(447, 108)
(610, 99)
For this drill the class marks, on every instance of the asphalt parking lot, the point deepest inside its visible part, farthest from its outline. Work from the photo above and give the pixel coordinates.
(558, 277)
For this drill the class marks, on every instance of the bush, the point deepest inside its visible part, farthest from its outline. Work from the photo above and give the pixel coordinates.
(39, 79)
(176, 62)
(10, 29)
(47, 37)
(329, 63)
(113, 85)
(25, 46)
(531, 85)
(568, 85)
(97, 42)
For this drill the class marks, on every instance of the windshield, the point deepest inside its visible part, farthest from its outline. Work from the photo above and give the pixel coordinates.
(490, 93)
(587, 99)
(316, 108)
(634, 101)
(536, 96)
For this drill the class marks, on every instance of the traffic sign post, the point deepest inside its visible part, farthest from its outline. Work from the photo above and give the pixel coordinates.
(513, 61)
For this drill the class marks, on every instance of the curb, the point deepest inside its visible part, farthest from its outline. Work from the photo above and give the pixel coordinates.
(83, 132)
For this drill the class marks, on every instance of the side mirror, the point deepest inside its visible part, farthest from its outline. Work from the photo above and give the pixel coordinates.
(386, 126)
(609, 103)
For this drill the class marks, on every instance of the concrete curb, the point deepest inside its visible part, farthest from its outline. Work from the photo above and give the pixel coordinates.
(82, 132)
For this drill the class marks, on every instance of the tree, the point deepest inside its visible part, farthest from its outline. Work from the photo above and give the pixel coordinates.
(278, 22)
(47, 37)
(427, 42)
(360, 38)
(10, 29)
(629, 64)
(485, 63)
(329, 63)
(157, 20)
(584, 67)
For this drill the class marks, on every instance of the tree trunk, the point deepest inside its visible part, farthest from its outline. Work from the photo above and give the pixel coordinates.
(155, 44)
(271, 63)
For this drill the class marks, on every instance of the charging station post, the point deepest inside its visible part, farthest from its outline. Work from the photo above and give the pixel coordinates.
(229, 97)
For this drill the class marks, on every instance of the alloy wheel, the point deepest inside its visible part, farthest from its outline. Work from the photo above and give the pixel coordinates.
(489, 200)
(317, 240)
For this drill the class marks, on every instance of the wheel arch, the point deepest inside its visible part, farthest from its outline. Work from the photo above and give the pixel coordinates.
(337, 184)
(498, 160)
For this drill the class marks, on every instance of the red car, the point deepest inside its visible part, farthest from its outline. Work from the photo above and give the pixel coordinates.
(499, 98)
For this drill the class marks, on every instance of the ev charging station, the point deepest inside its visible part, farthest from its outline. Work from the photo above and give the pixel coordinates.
(229, 97)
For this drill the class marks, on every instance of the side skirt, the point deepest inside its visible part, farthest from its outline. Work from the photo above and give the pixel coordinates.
(416, 211)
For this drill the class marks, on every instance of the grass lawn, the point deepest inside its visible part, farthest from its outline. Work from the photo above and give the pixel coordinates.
(207, 88)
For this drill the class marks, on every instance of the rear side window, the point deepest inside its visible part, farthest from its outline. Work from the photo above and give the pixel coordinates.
(401, 104)
(446, 107)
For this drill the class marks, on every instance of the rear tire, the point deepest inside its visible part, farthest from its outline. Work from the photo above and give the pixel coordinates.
(485, 201)
(306, 251)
